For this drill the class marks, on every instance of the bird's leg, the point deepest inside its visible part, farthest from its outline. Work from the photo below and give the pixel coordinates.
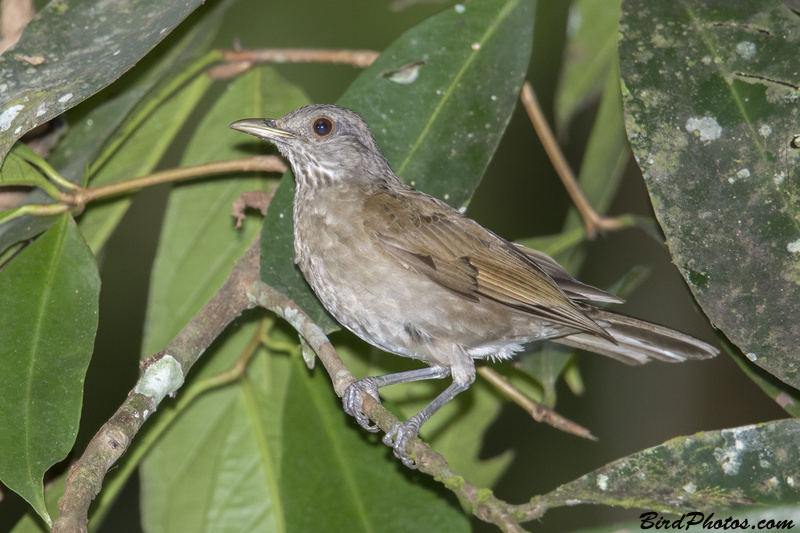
(400, 434)
(462, 369)
(352, 398)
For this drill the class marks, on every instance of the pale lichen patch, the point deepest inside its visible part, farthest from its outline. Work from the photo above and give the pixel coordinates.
(160, 378)
(8, 116)
(706, 128)
(746, 49)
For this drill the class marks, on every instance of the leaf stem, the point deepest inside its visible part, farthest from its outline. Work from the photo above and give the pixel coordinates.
(34, 209)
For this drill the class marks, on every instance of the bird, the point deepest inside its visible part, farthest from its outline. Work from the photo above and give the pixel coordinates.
(414, 277)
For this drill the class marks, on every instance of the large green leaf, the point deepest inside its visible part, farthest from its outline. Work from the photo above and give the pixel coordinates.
(30, 523)
(711, 93)
(48, 307)
(709, 471)
(216, 468)
(97, 127)
(438, 127)
(71, 50)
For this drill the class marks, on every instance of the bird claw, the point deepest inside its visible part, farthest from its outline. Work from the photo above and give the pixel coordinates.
(398, 438)
(352, 400)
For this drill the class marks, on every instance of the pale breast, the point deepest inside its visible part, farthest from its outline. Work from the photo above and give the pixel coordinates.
(386, 304)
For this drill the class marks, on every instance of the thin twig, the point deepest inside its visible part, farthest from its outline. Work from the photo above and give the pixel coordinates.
(263, 163)
(538, 411)
(355, 58)
(238, 61)
(591, 219)
(275, 301)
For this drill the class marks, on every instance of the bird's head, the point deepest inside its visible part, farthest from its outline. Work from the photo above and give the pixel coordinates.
(324, 144)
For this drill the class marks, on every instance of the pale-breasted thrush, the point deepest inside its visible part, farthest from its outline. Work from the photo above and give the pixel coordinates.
(413, 276)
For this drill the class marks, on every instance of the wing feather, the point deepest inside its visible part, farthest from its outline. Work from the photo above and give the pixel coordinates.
(457, 253)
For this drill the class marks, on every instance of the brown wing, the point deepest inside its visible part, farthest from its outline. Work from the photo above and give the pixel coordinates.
(574, 289)
(436, 241)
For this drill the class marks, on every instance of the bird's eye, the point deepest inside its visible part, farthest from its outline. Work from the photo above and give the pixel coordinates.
(323, 126)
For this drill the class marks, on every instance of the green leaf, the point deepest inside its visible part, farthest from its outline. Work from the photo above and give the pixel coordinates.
(333, 479)
(30, 523)
(439, 129)
(709, 471)
(98, 120)
(82, 47)
(49, 302)
(169, 89)
(199, 243)
(710, 95)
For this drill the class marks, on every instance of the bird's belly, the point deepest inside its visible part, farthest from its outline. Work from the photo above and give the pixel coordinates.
(401, 311)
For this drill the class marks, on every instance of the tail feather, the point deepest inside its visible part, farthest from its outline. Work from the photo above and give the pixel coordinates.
(638, 341)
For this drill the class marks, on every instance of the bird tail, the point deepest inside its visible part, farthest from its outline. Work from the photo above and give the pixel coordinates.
(637, 341)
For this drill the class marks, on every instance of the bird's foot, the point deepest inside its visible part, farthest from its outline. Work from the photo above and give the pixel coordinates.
(400, 435)
(353, 397)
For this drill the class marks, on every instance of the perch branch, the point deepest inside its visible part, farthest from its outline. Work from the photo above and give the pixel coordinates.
(484, 505)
